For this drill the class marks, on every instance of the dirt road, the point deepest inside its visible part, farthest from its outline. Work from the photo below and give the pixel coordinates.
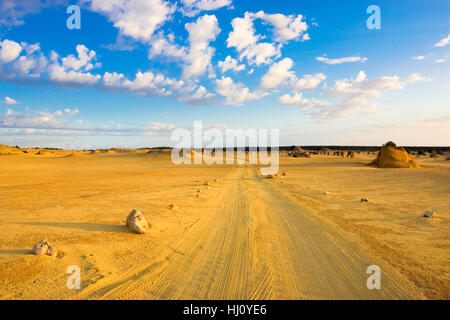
(255, 244)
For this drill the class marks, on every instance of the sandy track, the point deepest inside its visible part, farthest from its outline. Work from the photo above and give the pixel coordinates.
(255, 243)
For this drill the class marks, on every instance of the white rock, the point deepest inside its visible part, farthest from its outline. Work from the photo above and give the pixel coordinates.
(44, 247)
(137, 223)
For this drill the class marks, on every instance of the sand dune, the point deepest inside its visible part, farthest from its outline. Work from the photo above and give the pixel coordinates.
(246, 237)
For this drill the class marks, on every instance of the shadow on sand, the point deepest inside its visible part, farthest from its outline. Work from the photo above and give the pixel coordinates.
(15, 251)
(81, 226)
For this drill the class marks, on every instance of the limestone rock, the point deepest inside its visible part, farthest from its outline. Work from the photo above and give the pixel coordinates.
(136, 222)
(44, 247)
(429, 214)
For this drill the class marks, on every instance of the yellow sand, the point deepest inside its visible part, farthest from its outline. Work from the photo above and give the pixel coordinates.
(245, 237)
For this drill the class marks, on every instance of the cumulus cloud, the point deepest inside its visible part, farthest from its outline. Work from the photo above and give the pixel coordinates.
(309, 82)
(418, 58)
(193, 7)
(443, 42)
(298, 100)
(347, 95)
(138, 19)
(201, 32)
(280, 76)
(340, 60)
(235, 93)
(440, 60)
(277, 74)
(230, 64)
(9, 50)
(285, 27)
(244, 39)
(9, 101)
(73, 69)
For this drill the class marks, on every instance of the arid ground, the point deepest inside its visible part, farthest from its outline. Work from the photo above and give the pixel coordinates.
(243, 237)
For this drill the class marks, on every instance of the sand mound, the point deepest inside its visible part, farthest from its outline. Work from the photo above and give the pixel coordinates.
(137, 223)
(391, 156)
(4, 149)
(43, 247)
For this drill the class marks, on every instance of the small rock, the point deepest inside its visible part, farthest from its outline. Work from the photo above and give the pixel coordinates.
(269, 176)
(199, 190)
(216, 180)
(326, 192)
(137, 223)
(173, 207)
(284, 173)
(206, 183)
(364, 200)
(429, 214)
(44, 247)
(198, 196)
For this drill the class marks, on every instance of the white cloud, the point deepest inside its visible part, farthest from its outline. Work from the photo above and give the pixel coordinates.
(340, 60)
(9, 50)
(443, 42)
(138, 19)
(260, 53)
(440, 60)
(285, 27)
(113, 79)
(230, 64)
(12, 12)
(418, 58)
(60, 74)
(71, 69)
(9, 101)
(37, 119)
(277, 74)
(308, 82)
(198, 96)
(83, 61)
(201, 32)
(243, 38)
(234, 93)
(161, 45)
(243, 33)
(298, 100)
(193, 7)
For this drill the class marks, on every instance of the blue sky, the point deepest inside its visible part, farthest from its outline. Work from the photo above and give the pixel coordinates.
(137, 70)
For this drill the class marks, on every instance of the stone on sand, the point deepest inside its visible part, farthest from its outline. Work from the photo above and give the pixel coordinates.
(43, 247)
(429, 214)
(173, 207)
(364, 200)
(136, 222)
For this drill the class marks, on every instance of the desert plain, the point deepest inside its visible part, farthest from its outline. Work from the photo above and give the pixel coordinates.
(302, 235)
